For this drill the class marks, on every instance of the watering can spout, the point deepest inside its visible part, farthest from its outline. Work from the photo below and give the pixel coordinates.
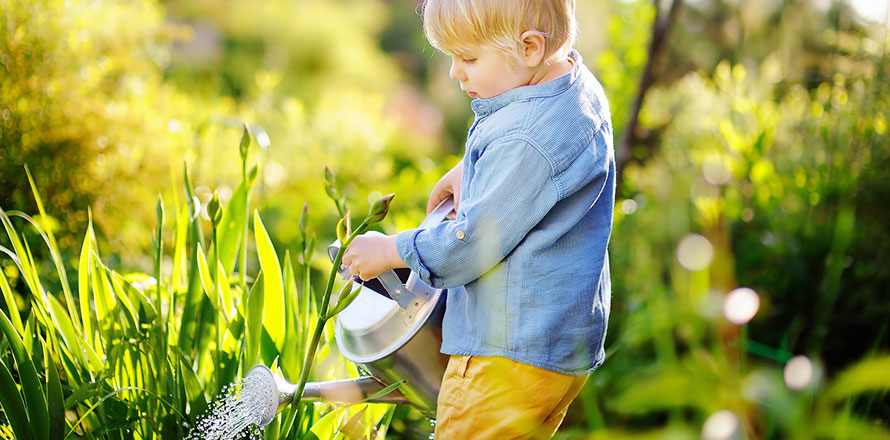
(278, 393)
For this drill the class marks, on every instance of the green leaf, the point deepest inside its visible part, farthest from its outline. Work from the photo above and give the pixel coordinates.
(83, 281)
(225, 292)
(255, 304)
(54, 398)
(389, 388)
(63, 325)
(13, 405)
(180, 262)
(231, 228)
(291, 353)
(31, 386)
(867, 375)
(273, 309)
(11, 304)
(206, 280)
(326, 427)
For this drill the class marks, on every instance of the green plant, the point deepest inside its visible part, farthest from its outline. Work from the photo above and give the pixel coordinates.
(138, 356)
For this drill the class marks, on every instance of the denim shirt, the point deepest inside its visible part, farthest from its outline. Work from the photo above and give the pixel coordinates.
(525, 261)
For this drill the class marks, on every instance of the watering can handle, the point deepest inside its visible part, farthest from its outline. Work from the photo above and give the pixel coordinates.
(390, 281)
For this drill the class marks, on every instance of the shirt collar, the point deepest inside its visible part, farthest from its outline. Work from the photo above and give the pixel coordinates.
(485, 106)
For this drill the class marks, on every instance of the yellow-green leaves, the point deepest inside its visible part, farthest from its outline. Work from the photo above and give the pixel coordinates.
(273, 308)
(867, 375)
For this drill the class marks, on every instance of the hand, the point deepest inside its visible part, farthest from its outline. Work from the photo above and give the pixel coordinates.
(449, 184)
(371, 254)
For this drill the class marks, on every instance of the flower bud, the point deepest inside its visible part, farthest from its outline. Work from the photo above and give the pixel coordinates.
(159, 211)
(245, 141)
(379, 209)
(304, 222)
(214, 209)
(330, 183)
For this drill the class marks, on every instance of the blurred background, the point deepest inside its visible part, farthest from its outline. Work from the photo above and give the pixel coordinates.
(751, 244)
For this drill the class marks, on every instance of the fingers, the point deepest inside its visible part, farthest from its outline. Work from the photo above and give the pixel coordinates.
(435, 197)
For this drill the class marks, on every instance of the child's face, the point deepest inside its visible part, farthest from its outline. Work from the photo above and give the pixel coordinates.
(485, 73)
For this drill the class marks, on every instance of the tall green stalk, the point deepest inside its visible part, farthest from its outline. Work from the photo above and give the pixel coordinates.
(377, 212)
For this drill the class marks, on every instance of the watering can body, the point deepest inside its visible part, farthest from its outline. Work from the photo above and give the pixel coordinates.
(392, 330)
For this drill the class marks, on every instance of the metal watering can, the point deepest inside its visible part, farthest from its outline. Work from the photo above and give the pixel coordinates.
(393, 330)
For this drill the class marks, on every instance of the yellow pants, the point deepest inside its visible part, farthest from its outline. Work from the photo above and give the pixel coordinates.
(497, 398)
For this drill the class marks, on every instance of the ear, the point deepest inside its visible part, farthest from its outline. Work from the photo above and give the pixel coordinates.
(533, 47)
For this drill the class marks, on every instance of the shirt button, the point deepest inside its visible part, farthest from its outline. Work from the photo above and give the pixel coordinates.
(460, 235)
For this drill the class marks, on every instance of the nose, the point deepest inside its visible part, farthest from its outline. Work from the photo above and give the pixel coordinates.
(456, 72)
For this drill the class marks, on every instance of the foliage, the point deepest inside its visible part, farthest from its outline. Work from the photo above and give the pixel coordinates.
(84, 103)
(763, 163)
(137, 355)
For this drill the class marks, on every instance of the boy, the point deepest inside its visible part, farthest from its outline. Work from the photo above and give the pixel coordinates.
(525, 260)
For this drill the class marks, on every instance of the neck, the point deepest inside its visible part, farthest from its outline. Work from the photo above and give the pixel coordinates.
(557, 67)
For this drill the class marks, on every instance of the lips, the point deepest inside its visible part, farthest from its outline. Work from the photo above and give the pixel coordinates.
(471, 94)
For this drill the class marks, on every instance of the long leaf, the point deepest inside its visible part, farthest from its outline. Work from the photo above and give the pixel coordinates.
(25, 265)
(231, 227)
(54, 252)
(866, 375)
(273, 311)
(31, 386)
(13, 405)
(83, 282)
(11, 304)
(54, 398)
(63, 325)
(255, 304)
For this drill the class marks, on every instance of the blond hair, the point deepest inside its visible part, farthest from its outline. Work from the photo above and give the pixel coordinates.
(456, 26)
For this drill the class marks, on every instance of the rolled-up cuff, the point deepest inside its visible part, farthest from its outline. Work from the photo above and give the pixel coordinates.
(405, 245)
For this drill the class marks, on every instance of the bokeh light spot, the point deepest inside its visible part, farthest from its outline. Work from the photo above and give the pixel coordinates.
(798, 372)
(695, 252)
(722, 425)
(628, 206)
(740, 305)
(715, 169)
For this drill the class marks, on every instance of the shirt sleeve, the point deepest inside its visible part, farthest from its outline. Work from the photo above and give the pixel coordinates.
(511, 190)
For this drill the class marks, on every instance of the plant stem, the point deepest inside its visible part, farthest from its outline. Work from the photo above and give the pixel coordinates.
(322, 319)
(246, 226)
